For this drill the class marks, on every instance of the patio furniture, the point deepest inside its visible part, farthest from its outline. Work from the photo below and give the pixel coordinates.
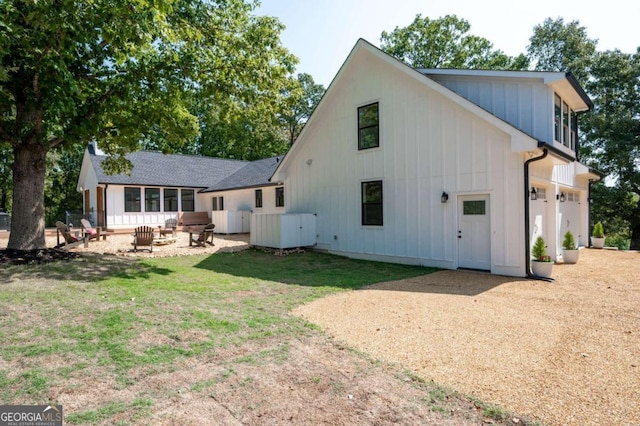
(143, 236)
(170, 226)
(70, 240)
(94, 232)
(205, 235)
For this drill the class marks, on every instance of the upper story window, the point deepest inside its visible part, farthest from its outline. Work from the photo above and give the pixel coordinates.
(565, 123)
(368, 126)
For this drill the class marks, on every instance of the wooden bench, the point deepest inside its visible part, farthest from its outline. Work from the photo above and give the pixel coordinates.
(193, 218)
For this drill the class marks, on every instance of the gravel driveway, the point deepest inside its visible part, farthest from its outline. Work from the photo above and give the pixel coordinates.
(565, 353)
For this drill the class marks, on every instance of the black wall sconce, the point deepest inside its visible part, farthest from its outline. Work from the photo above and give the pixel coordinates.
(561, 197)
(534, 194)
(444, 197)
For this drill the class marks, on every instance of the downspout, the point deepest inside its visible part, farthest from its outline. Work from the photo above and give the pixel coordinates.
(527, 216)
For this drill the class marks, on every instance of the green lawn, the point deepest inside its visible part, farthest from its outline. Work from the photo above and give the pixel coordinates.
(63, 324)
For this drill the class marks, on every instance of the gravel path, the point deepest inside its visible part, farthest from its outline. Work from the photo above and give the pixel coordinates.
(565, 353)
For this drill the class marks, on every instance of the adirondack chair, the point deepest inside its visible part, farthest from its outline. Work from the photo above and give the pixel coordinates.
(70, 240)
(89, 231)
(170, 226)
(143, 236)
(205, 236)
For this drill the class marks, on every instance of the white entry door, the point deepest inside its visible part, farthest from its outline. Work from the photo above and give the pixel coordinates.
(474, 232)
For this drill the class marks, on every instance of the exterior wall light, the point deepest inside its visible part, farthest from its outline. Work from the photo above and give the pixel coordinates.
(444, 197)
(561, 197)
(534, 194)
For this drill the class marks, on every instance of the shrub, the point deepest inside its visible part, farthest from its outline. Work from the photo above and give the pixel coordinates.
(569, 243)
(598, 230)
(539, 251)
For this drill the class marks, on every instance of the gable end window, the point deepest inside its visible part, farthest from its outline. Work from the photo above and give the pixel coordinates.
(132, 202)
(372, 203)
(280, 197)
(258, 198)
(565, 123)
(368, 126)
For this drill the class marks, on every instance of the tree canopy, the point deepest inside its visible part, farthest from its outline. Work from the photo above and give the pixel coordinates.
(445, 43)
(121, 72)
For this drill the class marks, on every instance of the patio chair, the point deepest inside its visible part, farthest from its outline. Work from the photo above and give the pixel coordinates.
(205, 236)
(90, 231)
(143, 236)
(70, 240)
(170, 226)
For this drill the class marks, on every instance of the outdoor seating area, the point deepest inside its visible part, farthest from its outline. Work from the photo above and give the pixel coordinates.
(205, 234)
(69, 240)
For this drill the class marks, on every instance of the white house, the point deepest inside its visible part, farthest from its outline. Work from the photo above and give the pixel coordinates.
(162, 187)
(438, 167)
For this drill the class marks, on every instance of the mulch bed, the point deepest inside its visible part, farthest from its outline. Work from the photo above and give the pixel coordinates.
(25, 257)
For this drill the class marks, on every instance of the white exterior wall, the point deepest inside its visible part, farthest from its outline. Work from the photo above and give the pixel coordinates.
(118, 218)
(429, 144)
(245, 199)
(523, 103)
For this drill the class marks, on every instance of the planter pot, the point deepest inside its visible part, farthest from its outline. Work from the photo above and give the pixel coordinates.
(570, 256)
(597, 242)
(542, 269)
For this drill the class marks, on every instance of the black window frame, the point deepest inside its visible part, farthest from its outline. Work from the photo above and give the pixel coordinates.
(367, 206)
(151, 199)
(258, 198)
(280, 196)
(132, 203)
(183, 197)
(170, 199)
(217, 203)
(368, 127)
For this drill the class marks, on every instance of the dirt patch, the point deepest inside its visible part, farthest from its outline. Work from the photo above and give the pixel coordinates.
(565, 353)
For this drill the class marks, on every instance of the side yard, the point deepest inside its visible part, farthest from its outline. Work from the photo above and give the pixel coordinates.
(564, 353)
(205, 339)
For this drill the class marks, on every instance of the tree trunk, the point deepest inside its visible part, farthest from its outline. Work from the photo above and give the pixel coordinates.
(27, 213)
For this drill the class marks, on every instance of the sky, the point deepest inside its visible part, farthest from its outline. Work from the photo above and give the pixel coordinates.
(321, 33)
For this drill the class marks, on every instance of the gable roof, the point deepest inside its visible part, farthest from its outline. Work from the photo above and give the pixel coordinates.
(253, 174)
(174, 170)
(520, 140)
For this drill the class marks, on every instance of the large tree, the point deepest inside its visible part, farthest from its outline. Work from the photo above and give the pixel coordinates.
(613, 137)
(120, 72)
(302, 98)
(445, 43)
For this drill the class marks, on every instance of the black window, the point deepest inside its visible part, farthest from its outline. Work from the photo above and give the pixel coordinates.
(187, 198)
(217, 203)
(372, 203)
(280, 197)
(258, 198)
(132, 199)
(170, 200)
(152, 199)
(557, 118)
(368, 126)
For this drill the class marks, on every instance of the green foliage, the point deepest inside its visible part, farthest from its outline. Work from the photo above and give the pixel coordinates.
(598, 230)
(569, 242)
(445, 43)
(302, 98)
(539, 250)
(556, 46)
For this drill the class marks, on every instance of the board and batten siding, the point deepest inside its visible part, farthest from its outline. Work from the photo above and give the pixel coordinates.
(245, 199)
(428, 144)
(525, 103)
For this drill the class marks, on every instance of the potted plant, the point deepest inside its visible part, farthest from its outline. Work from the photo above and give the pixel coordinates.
(597, 236)
(570, 252)
(541, 264)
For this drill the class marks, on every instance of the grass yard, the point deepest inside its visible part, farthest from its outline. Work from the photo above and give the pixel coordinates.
(203, 340)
